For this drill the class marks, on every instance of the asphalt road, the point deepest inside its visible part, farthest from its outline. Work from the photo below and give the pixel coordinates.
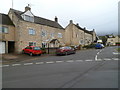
(95, 68)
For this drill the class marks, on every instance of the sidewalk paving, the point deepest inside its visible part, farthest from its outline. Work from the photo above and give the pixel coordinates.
(13, 58)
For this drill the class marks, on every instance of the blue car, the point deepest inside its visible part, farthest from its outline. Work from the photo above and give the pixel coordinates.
(99, 46)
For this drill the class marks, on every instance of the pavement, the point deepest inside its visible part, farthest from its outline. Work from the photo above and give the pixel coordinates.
(12, 58)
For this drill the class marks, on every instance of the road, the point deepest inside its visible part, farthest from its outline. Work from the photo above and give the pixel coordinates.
(94, 68)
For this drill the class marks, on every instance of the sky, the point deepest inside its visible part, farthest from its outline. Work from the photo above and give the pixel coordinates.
(101, 15)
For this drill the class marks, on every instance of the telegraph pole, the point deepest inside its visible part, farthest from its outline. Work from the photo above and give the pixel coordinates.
(12, 4)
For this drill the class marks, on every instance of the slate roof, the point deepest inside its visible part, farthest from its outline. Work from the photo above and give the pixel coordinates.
(86, 31)
(5, 20)
(39, 20)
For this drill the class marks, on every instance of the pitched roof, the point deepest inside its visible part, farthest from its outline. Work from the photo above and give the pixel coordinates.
(86, 31)
(5, 20)
(53, 40)
(39, 20)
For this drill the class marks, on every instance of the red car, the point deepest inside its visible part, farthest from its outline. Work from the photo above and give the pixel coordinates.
(32, 50)
(65, 51)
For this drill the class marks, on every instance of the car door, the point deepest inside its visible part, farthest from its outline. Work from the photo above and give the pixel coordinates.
(29, 50)
(26, 50)
(71, 50)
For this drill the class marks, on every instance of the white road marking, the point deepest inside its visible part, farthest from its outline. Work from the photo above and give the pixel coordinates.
(39, 63)
(5, 65)
(101, 50)
(16, 64)
(50, 62)
(107, 59)
(96, 58)
(79, 60)
(70, 61)
(98, 53)
(88, 60)
(116, 53)
(99, 59)
(28, 63)
(115, 58)
(59, 61)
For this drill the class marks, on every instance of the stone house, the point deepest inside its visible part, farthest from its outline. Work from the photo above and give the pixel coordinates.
(34, 30)
(112, 40)
(21, 29)
(75, 35)
(7, 34)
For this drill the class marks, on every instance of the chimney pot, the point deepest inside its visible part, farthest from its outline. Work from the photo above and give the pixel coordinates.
(77, 24)
(84, 28)
(71, 21)
(27, 8)
(56, 19)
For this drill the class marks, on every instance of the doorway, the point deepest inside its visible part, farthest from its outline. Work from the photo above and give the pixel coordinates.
(11, 46)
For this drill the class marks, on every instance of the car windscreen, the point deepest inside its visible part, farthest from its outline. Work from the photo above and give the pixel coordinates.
(36, 48)
(62, 48)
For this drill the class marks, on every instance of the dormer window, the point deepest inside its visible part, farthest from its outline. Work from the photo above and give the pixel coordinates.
(29, 18)
(27, 15)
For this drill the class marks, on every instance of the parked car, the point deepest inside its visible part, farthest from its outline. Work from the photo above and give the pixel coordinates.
(99, 46)
(65, 50)
(32, 50)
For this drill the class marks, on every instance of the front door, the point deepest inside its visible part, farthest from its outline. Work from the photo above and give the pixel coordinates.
(11, 46)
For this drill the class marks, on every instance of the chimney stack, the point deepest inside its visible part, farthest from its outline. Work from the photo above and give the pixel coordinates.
(56, 19)
(84, 28)
(77, 24)
(27, 8)
(71, 21)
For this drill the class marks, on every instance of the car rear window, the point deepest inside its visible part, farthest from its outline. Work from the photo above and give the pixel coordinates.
(36, 48)
(62, 48)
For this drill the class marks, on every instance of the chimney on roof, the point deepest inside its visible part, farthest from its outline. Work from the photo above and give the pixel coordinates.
(56, 19)
(77, 24)
(27, 8)
(84, 28)
(93, 29)
(71, 21)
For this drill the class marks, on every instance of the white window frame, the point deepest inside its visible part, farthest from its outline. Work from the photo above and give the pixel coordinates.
(31, 31)
(44, 33)
(3, 29)
(32, 43)
(52, 35)
(59, 35)
(28, 18)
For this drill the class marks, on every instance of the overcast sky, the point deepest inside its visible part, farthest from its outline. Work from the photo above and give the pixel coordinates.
(101, 15)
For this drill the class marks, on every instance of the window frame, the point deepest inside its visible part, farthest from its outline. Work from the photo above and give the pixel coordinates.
(60, 35)
(31, 31)
(28, 18)
(32, 43)
(44, 33)
(3, 29)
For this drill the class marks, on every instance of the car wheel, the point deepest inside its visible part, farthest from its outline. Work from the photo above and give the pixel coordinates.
(31, 54)
(66, 53)
(39, 54)
(23, 52)
(74, 52)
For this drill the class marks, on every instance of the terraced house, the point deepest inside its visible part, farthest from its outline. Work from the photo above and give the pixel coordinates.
(75, 35)
(7, 34)
(20, 29)
(34, 30)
